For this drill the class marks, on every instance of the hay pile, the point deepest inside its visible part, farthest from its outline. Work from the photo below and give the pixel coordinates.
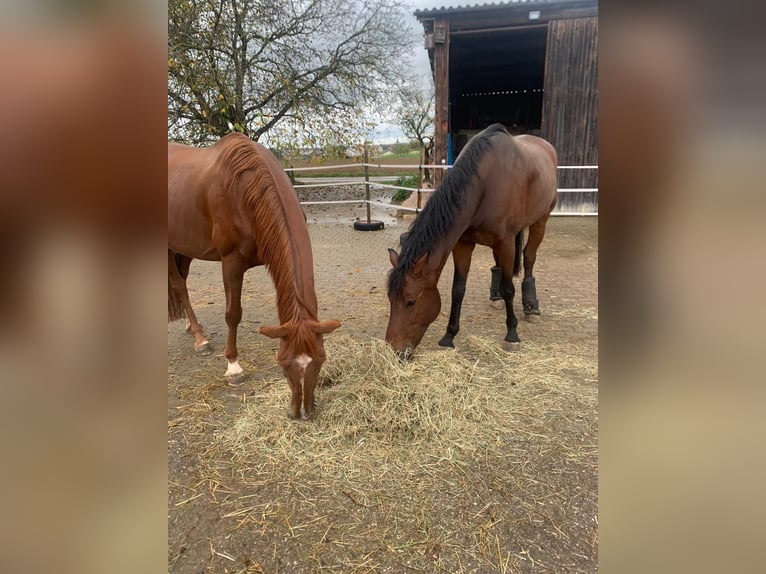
(474, 460)
(373, 410)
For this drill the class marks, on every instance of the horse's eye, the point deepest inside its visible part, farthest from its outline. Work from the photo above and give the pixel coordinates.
(410, 302)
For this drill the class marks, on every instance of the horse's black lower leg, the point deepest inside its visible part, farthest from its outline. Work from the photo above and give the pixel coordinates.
(528, 290)
(508, 291)
(461, 257)
(494, 286)
(529, 296)
(453, 326)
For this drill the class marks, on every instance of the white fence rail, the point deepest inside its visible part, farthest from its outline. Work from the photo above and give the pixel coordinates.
(420, 167)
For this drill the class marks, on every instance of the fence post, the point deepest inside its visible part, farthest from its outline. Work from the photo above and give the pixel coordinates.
(367, 182)
(420, 178)
(369, 225)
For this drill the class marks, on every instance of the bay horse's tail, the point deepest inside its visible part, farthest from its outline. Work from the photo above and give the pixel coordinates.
(175, 307)
(519, 252)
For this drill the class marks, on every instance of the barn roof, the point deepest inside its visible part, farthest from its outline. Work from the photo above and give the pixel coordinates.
(486, 6)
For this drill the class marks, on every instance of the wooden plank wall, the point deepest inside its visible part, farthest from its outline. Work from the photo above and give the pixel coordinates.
(570, 105)
(441, 89)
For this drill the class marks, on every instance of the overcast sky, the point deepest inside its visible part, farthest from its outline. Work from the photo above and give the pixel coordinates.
(421, 55)
(389, 133)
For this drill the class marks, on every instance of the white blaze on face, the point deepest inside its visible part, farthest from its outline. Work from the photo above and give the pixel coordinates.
(303, 362)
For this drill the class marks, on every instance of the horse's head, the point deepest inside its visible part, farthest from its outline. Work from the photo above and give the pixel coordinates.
(301, 355)
(414, 307)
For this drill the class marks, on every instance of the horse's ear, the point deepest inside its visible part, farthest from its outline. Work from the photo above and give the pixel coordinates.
(275, 332)
(325, 327)
(393, 256)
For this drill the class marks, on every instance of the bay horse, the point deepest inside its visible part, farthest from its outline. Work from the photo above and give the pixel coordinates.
(498, 186)
(232, 202)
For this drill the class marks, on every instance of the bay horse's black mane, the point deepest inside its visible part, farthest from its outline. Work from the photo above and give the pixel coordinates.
(438, 216)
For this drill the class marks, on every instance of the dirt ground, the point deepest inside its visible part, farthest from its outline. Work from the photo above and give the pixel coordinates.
(474, 517)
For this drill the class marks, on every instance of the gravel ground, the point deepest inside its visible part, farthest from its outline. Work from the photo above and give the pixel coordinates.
(531, 511)
(348, 213)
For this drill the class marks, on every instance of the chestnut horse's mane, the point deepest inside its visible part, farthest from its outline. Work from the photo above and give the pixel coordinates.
(439, 214)
(269, 203)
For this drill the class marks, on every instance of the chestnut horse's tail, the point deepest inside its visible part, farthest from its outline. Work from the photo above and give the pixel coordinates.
(519, 252)
(175, 306)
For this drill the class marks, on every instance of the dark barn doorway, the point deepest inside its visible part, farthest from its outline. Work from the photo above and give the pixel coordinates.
(496, 76)
(532, 66)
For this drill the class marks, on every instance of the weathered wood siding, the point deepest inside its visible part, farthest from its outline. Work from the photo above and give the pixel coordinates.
(441, 88)
(570, 105)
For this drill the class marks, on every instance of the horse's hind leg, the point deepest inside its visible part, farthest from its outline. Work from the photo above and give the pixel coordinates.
(529, 300)
(461, 257)
(184, 264)
(233, 272)
(178, 271)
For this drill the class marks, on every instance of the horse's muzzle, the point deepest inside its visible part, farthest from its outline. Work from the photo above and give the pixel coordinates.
(405, 354)
(302, 415)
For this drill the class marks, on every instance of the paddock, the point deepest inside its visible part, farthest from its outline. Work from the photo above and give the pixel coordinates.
(524, 501)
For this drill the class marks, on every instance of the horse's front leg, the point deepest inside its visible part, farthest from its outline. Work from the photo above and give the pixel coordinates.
(233, 272)
(461, 257)
(506, 257)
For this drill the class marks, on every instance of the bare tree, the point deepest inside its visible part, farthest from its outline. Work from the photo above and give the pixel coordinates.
(247, 65)
(415, 117)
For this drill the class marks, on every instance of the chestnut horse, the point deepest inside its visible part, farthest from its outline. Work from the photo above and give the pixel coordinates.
(232, 202)
(499, 185)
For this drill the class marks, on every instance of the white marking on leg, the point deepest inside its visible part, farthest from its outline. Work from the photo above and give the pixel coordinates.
(233, 369)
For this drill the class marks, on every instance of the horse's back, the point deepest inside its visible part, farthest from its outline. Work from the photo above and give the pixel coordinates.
(540, 160)
(519, 184)
(219, 195)
(190, 228)
(537, 146)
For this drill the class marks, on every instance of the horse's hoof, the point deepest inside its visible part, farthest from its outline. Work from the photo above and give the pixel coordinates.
(235, 380)
(532, 317)
(511, 346)
(446, 343)
(204, 349)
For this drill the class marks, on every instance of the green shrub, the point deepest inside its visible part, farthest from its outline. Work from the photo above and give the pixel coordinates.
(400, 196)
(405, 181)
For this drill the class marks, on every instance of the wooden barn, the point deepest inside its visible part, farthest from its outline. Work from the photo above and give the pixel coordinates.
(528, 64)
